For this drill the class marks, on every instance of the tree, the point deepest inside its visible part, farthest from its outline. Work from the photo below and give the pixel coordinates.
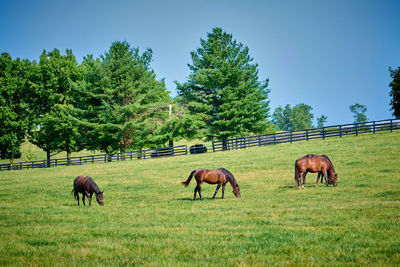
(15, 113)
(321, 121)
(359, 113)
(122, 104)
(288, 119)
(54, 77)
(395, 92)
(223, 89)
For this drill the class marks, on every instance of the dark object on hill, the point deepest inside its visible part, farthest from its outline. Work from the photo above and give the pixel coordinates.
(86, 186)
(198, 149)
(162, 152)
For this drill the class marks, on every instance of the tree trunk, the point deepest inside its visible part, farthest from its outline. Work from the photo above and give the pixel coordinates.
(48, 157)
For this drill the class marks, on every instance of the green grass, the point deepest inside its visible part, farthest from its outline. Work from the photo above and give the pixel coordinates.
(149, 218)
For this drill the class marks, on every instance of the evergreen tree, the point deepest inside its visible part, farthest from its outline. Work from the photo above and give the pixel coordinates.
(54, 77)
(15, 113)
(395, 92)
(123, 105)
(223, 90)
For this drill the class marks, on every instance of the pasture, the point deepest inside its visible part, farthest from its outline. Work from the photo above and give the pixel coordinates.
(149, 218)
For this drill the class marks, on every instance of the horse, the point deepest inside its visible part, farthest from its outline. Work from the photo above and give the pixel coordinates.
(86, 186)
(220, 176)
(315, 163)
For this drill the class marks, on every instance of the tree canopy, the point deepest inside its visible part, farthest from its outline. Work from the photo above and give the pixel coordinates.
(122, 103)
(395, 91)
(223, 89)
(15, 116)
(292, 119)
(359, 113)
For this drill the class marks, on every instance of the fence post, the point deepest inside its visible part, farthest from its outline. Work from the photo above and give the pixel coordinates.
(323, 133)
(307, 135)
(340, 131)
(374, 127)
(213, 146)
(391, 125)
(55, 163)
(274, 138)
(356, 130)
(186, 150)
(291, 133)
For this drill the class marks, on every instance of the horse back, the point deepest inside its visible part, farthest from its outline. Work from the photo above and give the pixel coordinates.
(312, 164)
(84, 183)
(210, 176)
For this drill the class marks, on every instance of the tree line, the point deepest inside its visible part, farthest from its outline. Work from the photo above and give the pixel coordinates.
(114, 102)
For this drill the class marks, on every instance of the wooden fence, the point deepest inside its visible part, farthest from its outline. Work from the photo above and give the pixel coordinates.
(234, 143)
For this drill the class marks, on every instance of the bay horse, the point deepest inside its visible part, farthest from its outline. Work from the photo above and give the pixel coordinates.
(315, 163)
(86, 186)
(220, 176)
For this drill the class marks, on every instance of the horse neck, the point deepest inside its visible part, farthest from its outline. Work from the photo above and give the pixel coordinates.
(231, 180)
(94, 186)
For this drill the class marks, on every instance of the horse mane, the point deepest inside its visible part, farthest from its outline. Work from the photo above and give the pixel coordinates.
(232, 179)
(92, 184)
(326, 157)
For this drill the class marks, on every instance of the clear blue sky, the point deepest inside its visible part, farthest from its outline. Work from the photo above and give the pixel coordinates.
(327, 54)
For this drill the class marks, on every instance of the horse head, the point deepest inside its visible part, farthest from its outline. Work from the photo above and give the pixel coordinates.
(100, 199)
(236, 191)
(333, 179)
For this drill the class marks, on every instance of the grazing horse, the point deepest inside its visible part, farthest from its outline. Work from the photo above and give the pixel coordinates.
(86, 186)
(315, 163)
(220, 176)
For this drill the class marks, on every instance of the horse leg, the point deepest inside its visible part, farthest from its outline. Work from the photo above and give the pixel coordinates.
(77, 197)
(223, 191)
(319, 174)
(326, 178)
(83, 199)
(199, 190)
(304, 179)
(195, 192)
(90, 199)
(216, 190)
(298, 179)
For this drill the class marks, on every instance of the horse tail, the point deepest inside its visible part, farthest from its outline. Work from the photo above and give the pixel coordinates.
(296, 171)
(73, 191)
(189, 179)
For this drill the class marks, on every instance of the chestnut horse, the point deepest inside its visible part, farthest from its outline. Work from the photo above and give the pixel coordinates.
(86, 186)
(220, 176)
(315, 163)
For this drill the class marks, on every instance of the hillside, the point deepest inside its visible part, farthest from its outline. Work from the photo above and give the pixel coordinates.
(149, 218)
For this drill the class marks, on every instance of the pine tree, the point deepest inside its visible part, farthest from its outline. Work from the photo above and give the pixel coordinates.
(122, 104)
(223, 88)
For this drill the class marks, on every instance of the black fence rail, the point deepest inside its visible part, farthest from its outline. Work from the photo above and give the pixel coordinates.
(102, 158)
(307, 134)
(230, 144)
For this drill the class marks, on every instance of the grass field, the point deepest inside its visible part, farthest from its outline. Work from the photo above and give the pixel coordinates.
(149, 218)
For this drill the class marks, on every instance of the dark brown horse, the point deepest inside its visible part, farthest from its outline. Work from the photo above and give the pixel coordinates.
(220, 176)
(86, 186)
(315, 163)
